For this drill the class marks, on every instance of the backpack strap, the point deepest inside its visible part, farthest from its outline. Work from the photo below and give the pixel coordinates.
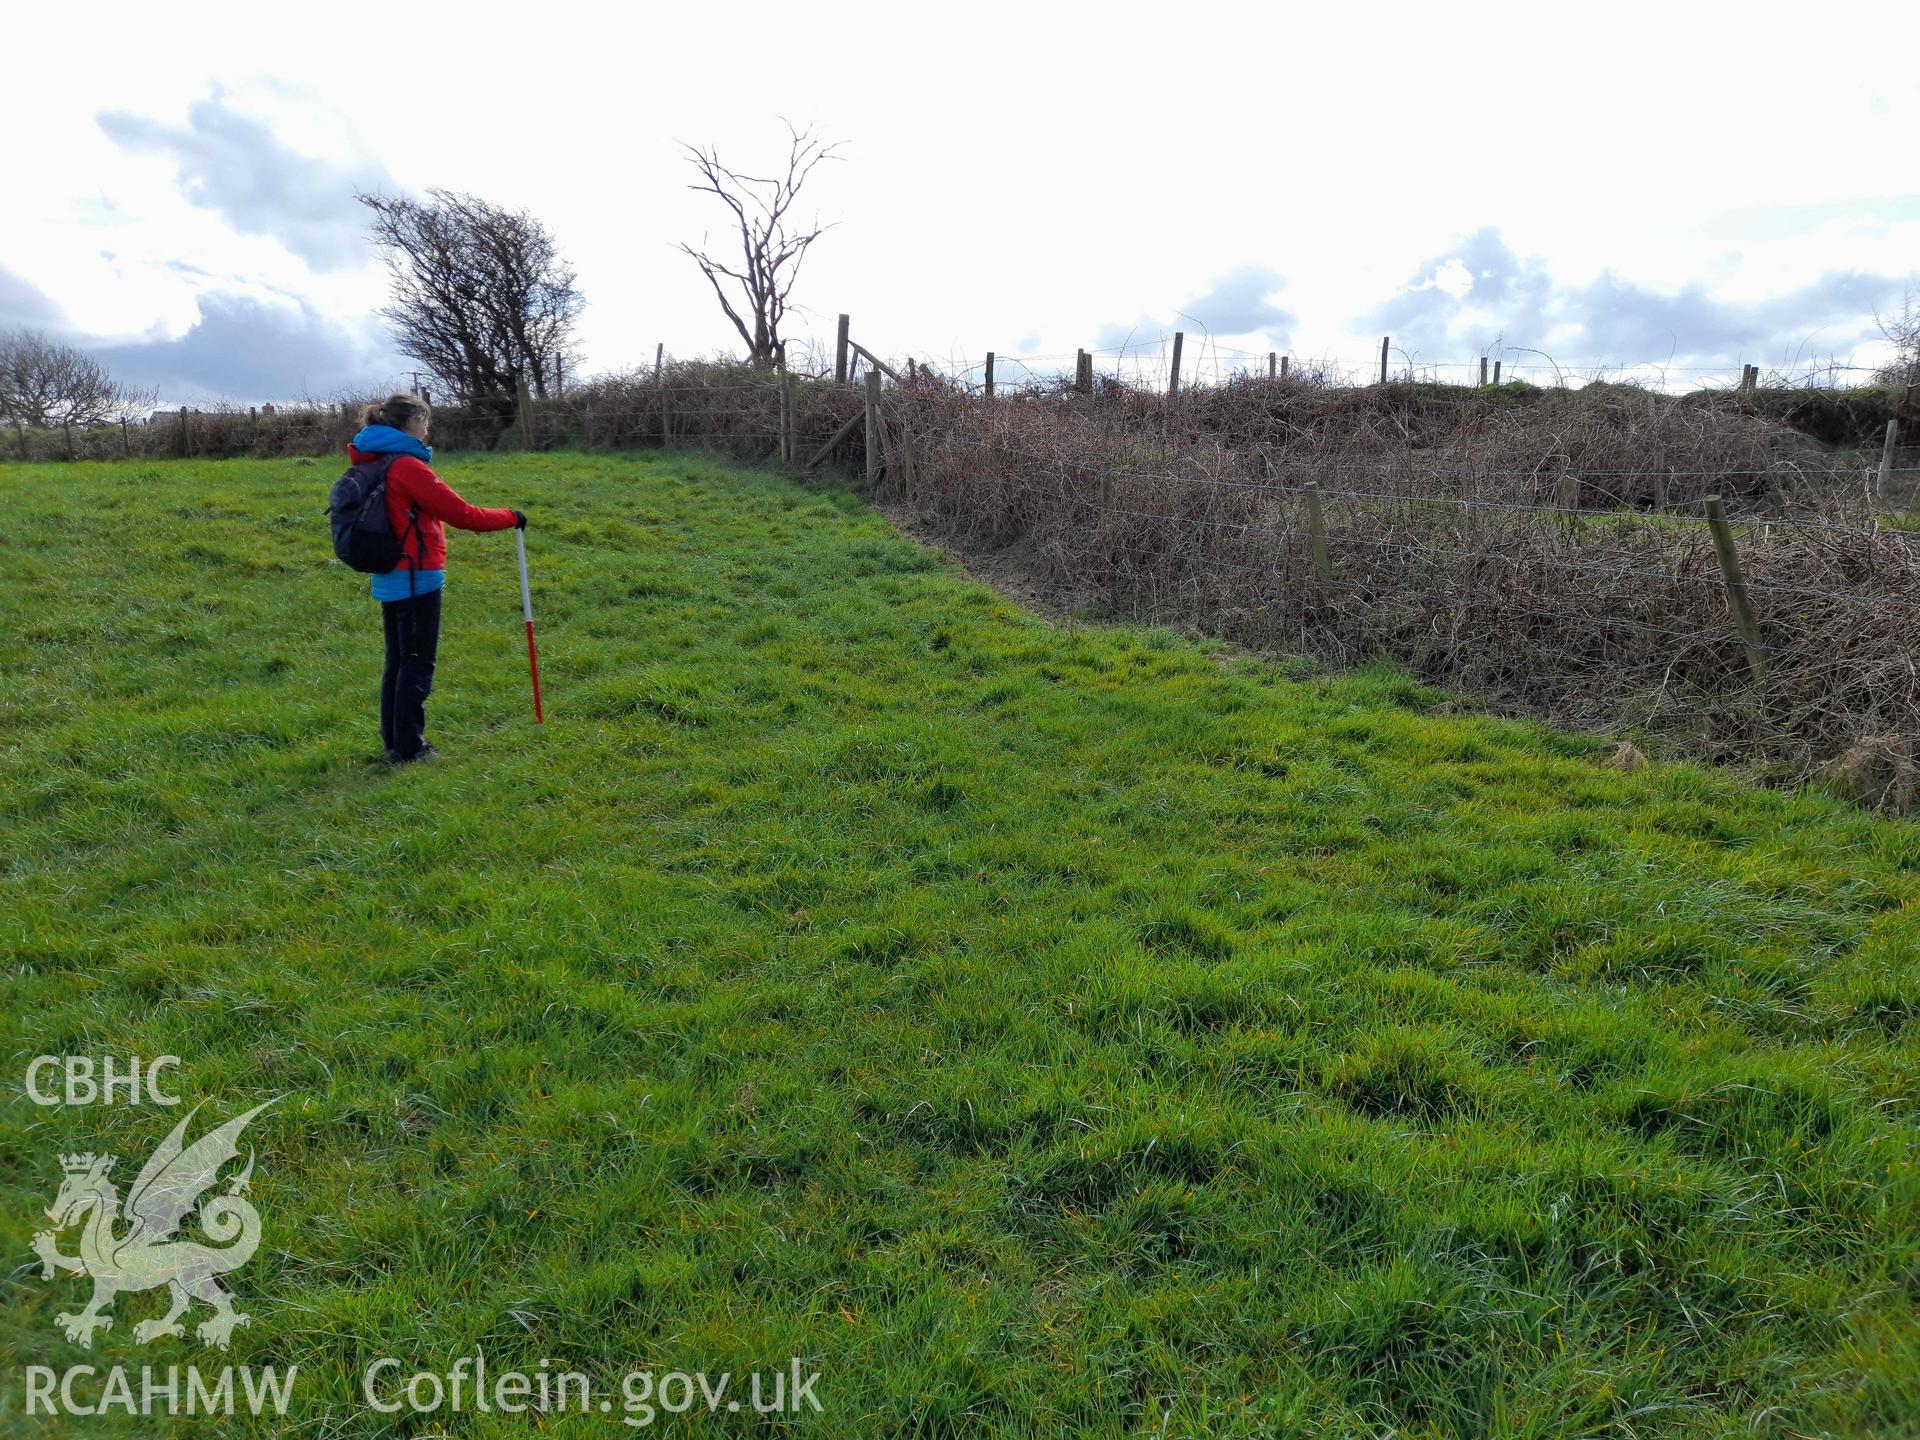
(419, 548)
(413, 529)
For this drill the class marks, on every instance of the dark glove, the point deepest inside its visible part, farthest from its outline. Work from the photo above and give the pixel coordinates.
(519, 519)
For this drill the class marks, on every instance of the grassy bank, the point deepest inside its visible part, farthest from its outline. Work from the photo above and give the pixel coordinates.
(1034, 1030)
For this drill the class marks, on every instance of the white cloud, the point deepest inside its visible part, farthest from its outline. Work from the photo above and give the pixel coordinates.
(239, 167)
(244, 350)
(1484, 297)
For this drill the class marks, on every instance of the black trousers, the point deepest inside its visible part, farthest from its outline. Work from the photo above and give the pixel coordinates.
(413, 639)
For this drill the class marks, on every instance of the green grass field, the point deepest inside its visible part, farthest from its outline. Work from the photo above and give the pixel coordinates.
(1036, 1030)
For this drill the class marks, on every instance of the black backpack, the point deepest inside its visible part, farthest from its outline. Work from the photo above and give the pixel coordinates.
(362, 535)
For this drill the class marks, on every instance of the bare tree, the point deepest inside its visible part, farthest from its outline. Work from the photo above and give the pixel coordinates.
(44, 382)
(771, 248)
(481, 296)
(1902, 330)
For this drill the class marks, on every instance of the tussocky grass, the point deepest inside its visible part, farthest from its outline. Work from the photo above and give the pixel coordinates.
(1037, 1031)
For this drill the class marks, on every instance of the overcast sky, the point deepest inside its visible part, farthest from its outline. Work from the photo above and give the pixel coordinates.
(1679, 184)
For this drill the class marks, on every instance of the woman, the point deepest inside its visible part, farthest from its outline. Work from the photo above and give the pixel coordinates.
(419, 507)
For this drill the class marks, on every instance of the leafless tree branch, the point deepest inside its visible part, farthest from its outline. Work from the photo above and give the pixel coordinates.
(771, 248)
(480, 296)
(44, 383)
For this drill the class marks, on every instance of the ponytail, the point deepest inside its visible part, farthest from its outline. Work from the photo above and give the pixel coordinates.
(396, 410)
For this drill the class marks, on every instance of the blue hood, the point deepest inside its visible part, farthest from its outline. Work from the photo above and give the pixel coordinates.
(385, 440)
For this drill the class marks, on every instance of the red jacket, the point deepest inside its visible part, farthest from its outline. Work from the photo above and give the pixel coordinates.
(412, 482)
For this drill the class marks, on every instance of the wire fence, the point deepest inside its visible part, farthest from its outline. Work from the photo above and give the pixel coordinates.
(1148, 361)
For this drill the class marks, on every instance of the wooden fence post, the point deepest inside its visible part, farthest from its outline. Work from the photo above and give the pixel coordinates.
(780, 414)
(847, 428)
(1891, 444)
(660, 389)
(874, 361)
(1483, 371)
(1496, 370)
(788, 428)
(186, 435)
(1283, 366)
(523, 412)
(1317, 527)
(1385, 340)
(1173, 379)
(1736, 587)
(793, 419)
(873, 426)
(126, 440)
(1273, 364)
(989, 374)
(840, 353)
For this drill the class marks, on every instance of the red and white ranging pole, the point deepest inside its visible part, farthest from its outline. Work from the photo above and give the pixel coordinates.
(526, 608)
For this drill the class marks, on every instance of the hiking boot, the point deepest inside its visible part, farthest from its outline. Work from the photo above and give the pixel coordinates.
(425, 755)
